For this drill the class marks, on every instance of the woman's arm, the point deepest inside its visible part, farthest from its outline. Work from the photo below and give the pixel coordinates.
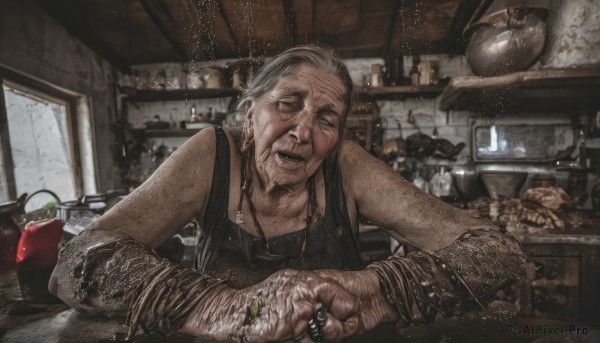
(376, 192)
(464, 260)
(99, 270)
(108, 272)
(170, 198)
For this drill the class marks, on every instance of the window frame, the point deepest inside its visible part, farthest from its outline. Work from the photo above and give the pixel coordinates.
(53, 93)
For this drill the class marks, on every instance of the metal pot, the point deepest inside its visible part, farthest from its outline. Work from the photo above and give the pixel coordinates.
(505, 42)
(503, 184)
(465, 180)
(88, 205)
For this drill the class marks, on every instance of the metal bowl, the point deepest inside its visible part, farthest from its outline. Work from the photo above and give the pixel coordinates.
(503, 184)
(506, 42)
(465, 181)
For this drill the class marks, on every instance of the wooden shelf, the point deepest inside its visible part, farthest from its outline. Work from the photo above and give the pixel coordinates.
(166, 132)
(400, 92)
(183, 94)
(563, 90)
(381, 93)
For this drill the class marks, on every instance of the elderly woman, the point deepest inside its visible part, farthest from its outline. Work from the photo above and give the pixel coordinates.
(277, 201)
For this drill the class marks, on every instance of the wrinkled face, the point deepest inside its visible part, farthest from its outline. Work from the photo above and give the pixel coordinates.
(296, 125)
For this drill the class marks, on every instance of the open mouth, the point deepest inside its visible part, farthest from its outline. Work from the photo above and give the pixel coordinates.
(290, 157)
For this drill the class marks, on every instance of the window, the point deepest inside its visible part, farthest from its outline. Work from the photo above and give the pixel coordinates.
(41, 139)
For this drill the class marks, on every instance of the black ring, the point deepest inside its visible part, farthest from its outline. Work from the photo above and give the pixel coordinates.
(315, 331)
(316, 324)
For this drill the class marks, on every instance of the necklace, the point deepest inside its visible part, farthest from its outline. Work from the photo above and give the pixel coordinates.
(246, 180)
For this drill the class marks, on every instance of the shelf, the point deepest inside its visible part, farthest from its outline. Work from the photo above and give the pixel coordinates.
(563, 90)
(381, 93)
(166, 132)
(400, 92)
(183, 94)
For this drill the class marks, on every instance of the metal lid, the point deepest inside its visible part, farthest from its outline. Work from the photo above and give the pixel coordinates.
(9, 207)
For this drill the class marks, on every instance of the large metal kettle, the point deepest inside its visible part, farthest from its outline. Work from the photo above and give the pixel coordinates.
(505, 42)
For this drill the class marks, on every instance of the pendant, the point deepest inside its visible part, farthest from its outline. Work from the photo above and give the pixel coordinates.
(239, 217)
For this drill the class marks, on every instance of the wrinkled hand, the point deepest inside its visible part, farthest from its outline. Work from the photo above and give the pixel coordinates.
(374, 308)
(278, 308)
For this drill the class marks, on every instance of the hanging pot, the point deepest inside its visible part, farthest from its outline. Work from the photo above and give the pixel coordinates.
(505, 42)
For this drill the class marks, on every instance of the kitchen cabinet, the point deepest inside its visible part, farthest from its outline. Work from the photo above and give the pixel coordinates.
(560, 90)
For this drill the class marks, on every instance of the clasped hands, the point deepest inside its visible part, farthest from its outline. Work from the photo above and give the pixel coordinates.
(282, 306)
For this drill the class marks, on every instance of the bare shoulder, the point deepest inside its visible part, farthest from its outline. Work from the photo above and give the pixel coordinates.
(174, 194)
(357, 163)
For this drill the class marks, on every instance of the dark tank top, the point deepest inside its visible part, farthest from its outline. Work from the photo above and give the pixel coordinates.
(228, 252)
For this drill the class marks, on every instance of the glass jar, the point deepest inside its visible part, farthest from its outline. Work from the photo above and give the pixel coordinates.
(194, 80)
(174, 80)
(213, 78)
(441, 183)
(376, 75)
(158, 80)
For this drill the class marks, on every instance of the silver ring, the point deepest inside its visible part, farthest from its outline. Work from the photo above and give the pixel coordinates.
(316, 324)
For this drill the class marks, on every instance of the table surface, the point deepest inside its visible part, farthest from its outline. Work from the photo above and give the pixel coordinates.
(22, 321)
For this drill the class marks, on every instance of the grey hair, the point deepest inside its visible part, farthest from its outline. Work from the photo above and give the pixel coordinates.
(288, 62)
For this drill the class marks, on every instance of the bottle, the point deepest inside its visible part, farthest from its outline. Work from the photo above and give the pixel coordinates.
(441, 183)
(435, 74)
(193, 116)
(376, 75)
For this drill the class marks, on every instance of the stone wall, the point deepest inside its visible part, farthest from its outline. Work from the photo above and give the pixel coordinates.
(33, 43)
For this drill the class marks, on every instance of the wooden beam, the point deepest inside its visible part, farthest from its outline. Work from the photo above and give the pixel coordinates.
(226, 20)
(6, 151)
(313, 16)
(303, 11)
(390, 31)
(206, 29)
(289, 13)
(159, 14)
(466, 12)
(359, 47)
